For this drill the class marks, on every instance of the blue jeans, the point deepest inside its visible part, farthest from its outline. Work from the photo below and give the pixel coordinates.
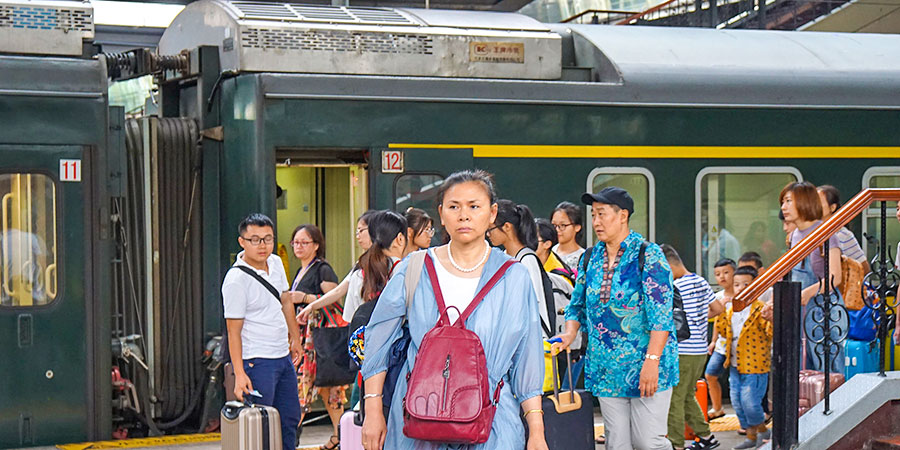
(276, 380)
(747, 392)
(716, 364)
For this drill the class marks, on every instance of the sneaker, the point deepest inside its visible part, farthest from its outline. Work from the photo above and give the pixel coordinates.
(746, 444)
(762, 437)
(704, 443)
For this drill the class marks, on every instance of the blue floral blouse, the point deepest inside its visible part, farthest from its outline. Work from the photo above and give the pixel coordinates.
(619, 329)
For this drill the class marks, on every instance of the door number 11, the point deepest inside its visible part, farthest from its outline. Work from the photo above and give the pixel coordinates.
(70, 170)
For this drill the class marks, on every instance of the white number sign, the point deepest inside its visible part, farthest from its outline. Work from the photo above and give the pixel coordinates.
(70, 170)
(392, 161)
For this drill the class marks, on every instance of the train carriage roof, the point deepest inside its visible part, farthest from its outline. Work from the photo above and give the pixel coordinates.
(409, 54)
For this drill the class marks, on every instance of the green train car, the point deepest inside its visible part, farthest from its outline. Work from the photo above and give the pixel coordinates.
(59, 142)
(315, 114)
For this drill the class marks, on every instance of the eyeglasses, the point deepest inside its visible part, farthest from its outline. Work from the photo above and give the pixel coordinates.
(562, 226)
(429, 231)
(256, 240)
(360, 230)
(302, 243)
(491, 229)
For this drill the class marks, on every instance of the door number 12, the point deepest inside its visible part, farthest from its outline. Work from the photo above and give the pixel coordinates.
(392, 161)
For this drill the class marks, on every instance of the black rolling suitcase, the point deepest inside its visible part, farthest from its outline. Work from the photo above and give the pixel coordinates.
(568, 416)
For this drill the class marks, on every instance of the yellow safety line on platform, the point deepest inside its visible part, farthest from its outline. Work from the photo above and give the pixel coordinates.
(646, 151)
(145, 442)
(728, 422)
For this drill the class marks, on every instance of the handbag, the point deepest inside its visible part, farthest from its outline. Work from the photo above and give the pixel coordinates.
(448, 399)
(330, 344)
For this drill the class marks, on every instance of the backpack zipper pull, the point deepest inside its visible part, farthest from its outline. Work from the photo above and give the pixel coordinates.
(446, 373)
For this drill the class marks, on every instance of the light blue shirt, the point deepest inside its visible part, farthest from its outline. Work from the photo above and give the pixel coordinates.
(507, 323)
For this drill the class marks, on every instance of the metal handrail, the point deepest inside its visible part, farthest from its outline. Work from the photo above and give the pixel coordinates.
(634, 17)
(597, 11)
(822, 233)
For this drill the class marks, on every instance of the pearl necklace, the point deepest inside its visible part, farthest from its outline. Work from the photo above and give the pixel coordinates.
(487, 251)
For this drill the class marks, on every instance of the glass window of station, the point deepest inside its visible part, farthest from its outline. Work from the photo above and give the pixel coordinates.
(639, 182)
(881, 177)
(737, 212)
(419, 191)
(28, 250)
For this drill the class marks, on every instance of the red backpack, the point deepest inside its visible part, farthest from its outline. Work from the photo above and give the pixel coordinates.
(448, 397)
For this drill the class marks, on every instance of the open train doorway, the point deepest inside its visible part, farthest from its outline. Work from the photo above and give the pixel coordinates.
(327, 188)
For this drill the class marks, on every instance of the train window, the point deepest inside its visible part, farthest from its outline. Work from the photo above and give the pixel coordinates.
(881, 177)
(28, 251)
(419, 190)
(639, 182)
(737, 211)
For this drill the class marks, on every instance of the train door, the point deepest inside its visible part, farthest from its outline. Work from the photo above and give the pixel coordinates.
(411, 177)
(330, 195)
(43, 334)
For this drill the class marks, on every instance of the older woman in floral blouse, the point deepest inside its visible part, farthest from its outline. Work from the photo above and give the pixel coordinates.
(632, 352)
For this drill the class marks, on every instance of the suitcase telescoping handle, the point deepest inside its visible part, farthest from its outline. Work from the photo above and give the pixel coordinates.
(568, 401)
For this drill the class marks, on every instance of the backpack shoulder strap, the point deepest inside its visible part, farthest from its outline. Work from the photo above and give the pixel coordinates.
(262, 281)
(413, 273)
(484, 291)
(547, 288)
(642, 255)
(586, 258)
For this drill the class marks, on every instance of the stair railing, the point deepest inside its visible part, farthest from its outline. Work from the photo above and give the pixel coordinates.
(827, 332)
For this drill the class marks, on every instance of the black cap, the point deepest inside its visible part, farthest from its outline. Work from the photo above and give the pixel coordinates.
(611, 196)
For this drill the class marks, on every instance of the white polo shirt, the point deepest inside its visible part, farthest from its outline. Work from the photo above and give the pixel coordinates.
(265, 332)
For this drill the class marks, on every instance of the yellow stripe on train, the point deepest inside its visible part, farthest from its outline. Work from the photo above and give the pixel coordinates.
(653, 151)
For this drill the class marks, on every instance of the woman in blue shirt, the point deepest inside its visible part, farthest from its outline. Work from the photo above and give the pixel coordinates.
(626, 309)
(506, 321)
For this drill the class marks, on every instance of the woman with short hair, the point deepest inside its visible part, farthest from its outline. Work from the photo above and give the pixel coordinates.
(801, 206)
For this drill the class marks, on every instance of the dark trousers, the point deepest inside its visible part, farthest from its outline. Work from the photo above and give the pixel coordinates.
(276, 380)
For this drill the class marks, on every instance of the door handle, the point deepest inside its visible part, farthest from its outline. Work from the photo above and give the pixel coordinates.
(5, 202)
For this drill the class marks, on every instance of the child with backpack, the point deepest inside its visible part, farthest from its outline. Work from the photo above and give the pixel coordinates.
(748, 354)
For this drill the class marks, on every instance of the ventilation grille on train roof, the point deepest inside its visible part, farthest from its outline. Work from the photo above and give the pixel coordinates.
(311, 13)
(45, 27)
(45, 18)
(336, 41)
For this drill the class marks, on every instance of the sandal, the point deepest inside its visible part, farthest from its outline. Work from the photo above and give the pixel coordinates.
(713, 415)
(331, 444)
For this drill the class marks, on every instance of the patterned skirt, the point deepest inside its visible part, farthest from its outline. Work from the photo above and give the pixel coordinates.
(328, 317)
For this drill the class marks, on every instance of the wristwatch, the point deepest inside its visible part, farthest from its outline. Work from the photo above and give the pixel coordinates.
(652, 356)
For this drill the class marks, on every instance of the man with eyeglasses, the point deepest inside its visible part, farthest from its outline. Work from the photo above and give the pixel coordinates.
(259, 321)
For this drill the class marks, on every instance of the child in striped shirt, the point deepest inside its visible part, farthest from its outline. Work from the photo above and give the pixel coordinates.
(699, 305)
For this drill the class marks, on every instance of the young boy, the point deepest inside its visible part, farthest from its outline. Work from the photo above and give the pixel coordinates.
(748, 353)
(698, 300)
(724, 272)
(753, 260)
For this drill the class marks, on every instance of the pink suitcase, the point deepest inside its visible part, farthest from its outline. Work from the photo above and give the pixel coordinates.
(351, 433)
(812, 385)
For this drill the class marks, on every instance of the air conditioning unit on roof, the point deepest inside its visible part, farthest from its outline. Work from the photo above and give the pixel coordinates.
(45, 27)
(287, 37)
